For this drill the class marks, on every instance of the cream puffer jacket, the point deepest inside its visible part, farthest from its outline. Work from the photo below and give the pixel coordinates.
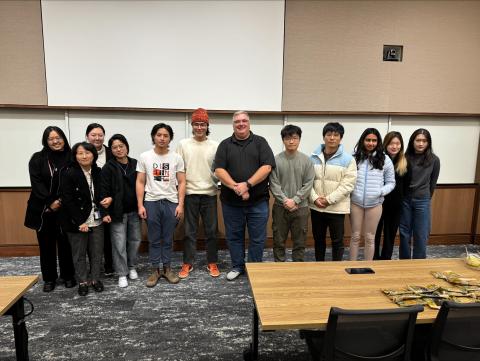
(334, 179)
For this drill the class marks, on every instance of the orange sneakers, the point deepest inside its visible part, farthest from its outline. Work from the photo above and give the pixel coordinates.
(185, 271)
(213, 269)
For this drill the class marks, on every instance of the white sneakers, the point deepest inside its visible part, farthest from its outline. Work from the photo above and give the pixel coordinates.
(233, 274)
(122, 282)
(132, 274)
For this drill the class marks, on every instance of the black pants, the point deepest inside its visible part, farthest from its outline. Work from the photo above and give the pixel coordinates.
(335, 223)
(389, 223)
(50, 237)
(203, 205)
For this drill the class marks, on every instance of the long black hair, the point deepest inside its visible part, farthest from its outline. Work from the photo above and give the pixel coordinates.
(427, 153)
(46, 134)
(377, 157)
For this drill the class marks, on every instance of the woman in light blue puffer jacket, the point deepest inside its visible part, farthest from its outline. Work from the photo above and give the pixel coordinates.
(375, 179)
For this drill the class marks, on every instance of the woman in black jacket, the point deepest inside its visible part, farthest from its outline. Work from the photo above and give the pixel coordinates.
(83, 215)
(392, 205)
(118, 187)
(45, 168)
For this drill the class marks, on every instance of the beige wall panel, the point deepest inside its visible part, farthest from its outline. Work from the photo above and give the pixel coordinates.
(12, 215)
(333, 56)
(440, 70)
(22, 67)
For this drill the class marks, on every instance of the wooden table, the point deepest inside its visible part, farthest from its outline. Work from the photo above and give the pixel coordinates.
(12, 289)
(299, 295)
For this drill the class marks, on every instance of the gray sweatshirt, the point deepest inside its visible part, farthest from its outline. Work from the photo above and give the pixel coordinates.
(423, 177)
(292, 178)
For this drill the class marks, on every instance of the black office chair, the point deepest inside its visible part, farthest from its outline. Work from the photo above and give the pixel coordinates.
(366, 335)
(455, 333)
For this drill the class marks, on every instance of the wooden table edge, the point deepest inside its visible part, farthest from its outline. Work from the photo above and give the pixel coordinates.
(298, 326)
(33, 281)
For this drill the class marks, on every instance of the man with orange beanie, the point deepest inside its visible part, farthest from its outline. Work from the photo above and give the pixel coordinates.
(198, 153)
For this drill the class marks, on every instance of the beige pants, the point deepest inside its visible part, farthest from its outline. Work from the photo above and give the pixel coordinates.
(367, 218)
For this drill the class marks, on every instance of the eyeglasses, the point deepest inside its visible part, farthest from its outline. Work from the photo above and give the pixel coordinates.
(200, 125)
(56, 139)
(294, 138)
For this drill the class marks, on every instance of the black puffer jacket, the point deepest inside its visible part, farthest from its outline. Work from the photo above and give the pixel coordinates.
(45, 179)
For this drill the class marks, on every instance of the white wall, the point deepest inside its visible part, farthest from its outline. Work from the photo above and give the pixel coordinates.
(312, 127)
(455, 139)
(164, 54)
(136, 127)
(21, 136)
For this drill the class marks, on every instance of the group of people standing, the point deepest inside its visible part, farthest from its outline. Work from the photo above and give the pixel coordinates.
(88, 201)
(381, 186)
(80, 208)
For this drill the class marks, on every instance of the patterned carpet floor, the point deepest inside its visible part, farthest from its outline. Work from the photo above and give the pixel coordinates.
(200, 319)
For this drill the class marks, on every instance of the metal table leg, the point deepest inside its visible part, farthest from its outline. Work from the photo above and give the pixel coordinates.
(19, 330)
(251, 354)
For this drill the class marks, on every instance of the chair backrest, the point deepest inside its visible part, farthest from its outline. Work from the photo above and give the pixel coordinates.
(370, 334)
(456, 333)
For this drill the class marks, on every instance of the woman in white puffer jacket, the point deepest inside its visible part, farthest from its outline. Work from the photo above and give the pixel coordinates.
(375, 179)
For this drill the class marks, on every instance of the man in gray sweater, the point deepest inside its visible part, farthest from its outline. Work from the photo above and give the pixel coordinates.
(290, 184)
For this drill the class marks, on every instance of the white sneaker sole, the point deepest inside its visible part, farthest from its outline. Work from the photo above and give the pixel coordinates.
(134, 277)
(233, 275)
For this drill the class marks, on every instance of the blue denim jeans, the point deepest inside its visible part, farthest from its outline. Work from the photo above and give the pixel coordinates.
(414, 222)
(126, 237)
(236, 218)
(161, 223)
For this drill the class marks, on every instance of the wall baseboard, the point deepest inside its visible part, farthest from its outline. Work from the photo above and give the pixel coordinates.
(435, 239)
(19, 251)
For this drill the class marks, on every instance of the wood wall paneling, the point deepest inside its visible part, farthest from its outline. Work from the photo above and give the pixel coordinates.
(477, 240)
(452, 210)
(477, 172)
(12, 215)
(22, 66)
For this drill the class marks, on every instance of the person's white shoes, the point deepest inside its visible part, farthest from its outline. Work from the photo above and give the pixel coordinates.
(122, 282)
(132, 274)
(233, 274)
